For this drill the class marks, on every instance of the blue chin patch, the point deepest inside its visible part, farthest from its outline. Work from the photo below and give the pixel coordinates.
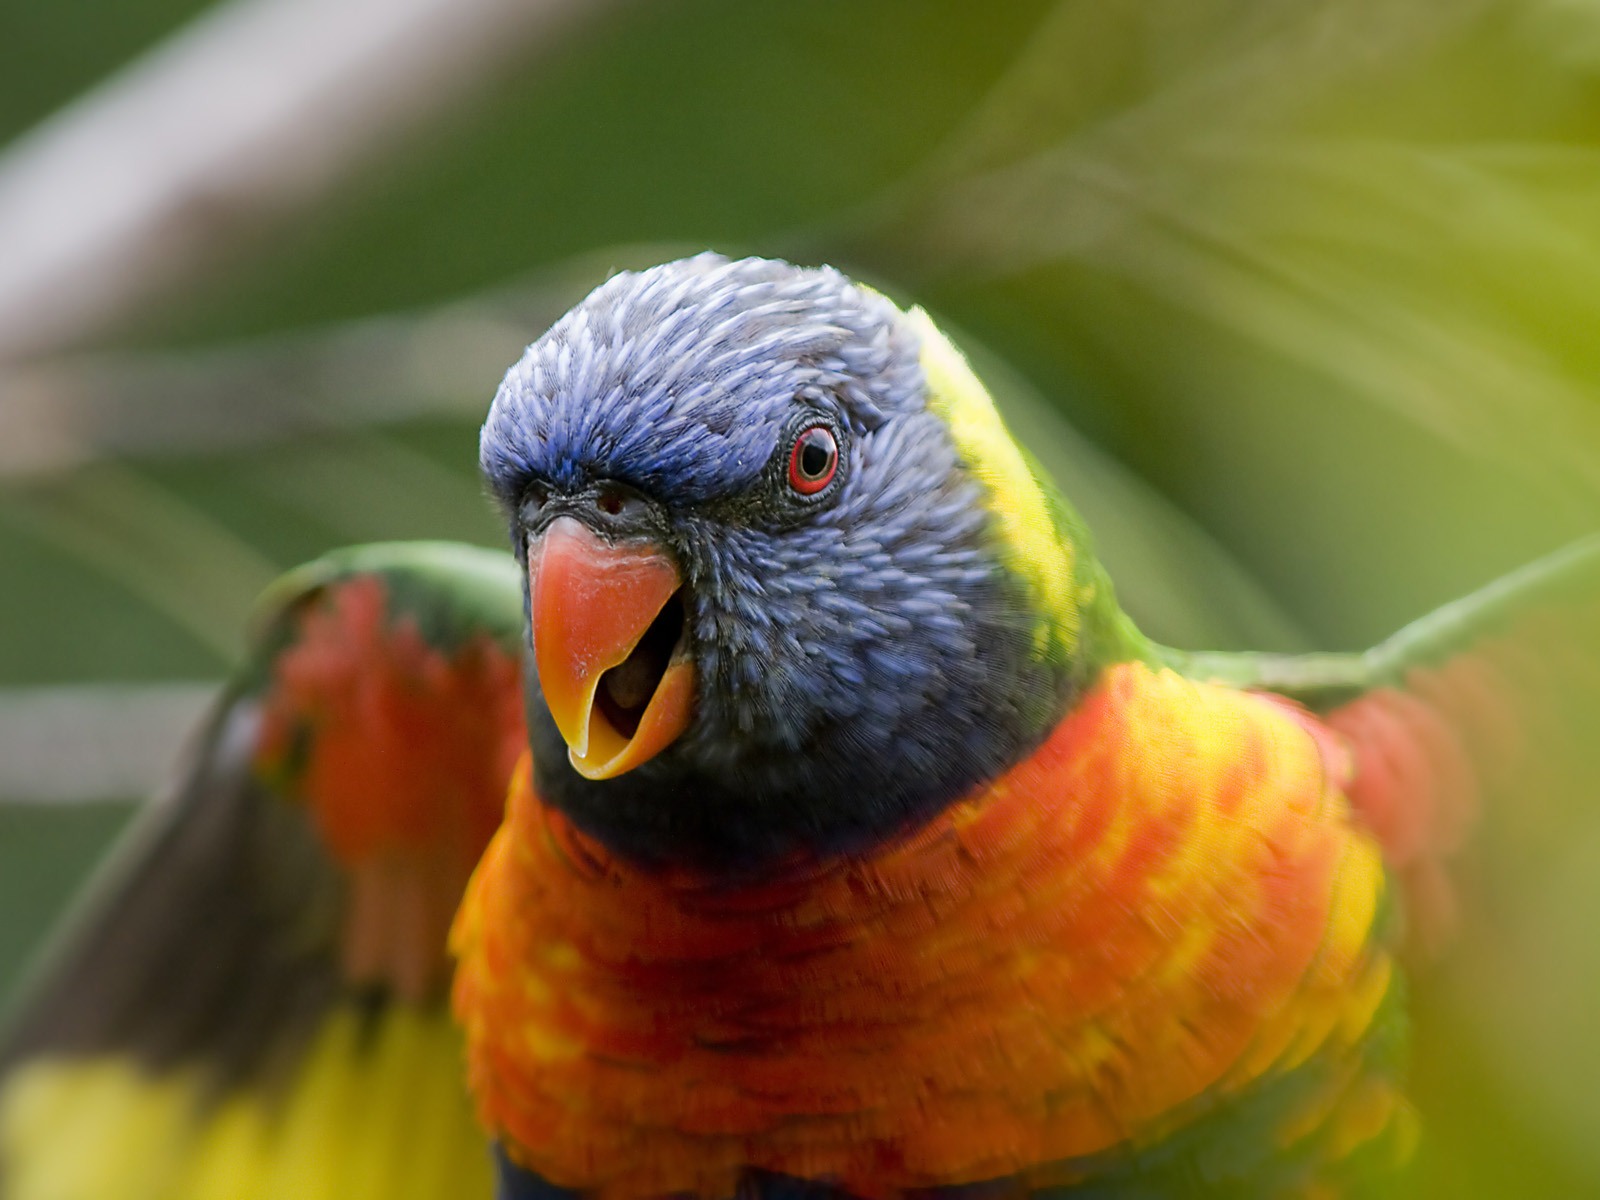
(517, 1183)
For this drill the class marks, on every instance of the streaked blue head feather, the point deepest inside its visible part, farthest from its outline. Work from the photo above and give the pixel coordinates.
(704, 353)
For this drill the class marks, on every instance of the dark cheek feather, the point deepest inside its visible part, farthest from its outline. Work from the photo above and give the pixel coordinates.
(512, 1182)
(857, 782)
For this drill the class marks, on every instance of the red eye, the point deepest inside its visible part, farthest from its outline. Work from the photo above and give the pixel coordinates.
(813, 460)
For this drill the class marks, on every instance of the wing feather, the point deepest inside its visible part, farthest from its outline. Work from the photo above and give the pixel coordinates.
(250, 1000)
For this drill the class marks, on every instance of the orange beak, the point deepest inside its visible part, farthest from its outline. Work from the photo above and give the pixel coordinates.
(608, 643)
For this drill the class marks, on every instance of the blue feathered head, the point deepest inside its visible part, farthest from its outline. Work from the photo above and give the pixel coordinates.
(757, 550)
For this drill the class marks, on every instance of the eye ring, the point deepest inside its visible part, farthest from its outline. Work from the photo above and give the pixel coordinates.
(813, 460)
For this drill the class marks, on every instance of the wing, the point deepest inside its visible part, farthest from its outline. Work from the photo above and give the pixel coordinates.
(1494, 694)
(250, 1001)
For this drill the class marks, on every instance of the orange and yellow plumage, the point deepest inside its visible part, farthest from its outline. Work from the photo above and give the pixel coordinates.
(1165, 905)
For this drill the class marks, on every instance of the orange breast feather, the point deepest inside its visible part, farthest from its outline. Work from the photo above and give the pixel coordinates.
(1163, 904)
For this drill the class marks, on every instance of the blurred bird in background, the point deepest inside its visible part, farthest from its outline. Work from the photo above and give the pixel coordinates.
(1292, 298)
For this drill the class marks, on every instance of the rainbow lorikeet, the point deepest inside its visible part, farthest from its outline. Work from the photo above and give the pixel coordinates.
(856, 841)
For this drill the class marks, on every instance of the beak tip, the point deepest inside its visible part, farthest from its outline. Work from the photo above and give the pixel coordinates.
(664, 719)
(583, 766)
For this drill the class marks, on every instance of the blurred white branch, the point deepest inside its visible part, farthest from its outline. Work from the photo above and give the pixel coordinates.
(58, 414)
(62, 412)
(256, 109)
(94, 741)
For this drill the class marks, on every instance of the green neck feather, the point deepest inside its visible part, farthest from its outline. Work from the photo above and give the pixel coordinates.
(1043, 541)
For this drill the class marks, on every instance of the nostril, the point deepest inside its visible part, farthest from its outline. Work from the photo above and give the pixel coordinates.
(615, 501)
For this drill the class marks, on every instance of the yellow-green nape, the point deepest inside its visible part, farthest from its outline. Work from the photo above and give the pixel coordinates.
(372, 1113)
(1036, 543)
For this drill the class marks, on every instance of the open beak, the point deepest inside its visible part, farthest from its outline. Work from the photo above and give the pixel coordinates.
(609, 644)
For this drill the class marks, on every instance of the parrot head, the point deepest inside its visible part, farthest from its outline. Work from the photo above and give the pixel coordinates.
(791, 586)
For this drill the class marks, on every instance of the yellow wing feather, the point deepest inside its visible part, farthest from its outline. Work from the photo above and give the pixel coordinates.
(374, 1110)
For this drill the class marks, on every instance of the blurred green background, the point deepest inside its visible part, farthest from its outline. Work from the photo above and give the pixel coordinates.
(1300, 299)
